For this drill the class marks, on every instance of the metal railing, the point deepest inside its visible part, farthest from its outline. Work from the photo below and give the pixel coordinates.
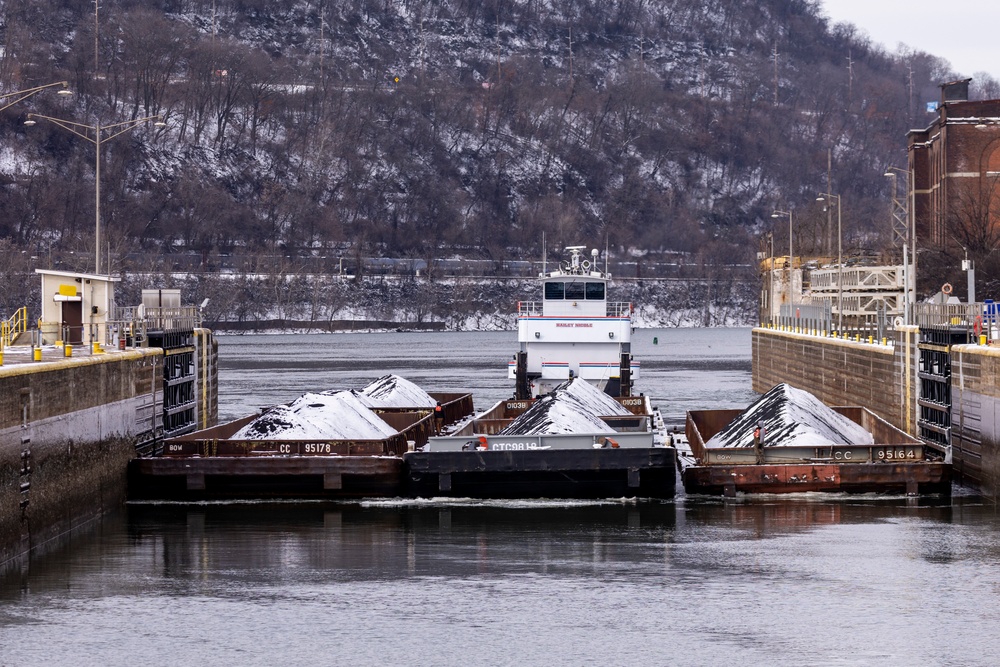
(871, 328)
(947, 315)
(132, 324)
(534, 308)
(14, 326)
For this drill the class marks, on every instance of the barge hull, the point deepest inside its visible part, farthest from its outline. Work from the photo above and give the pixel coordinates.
(203, 478)
(909, 478)
(578, 474)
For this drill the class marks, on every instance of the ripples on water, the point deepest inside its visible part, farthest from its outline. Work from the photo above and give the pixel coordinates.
(809, 580)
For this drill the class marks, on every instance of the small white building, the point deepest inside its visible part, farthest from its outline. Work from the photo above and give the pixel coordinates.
(75, 306)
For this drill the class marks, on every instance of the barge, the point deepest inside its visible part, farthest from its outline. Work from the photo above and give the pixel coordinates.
(213, 464)
(897, 463)
(627, 458)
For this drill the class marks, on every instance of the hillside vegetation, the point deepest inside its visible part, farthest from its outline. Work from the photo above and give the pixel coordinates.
(446, 128)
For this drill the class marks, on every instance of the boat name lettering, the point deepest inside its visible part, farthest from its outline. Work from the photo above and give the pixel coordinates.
(175, 448)
(517, 405)
(513, 445)
(842, 456)
(902, 453)
(317, 448)
(632, 401)
(284, 449)
(574, 324)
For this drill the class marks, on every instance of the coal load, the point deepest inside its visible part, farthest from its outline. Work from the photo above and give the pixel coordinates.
(392, 391)
(791, 417)
(327, 416)
(572, 407)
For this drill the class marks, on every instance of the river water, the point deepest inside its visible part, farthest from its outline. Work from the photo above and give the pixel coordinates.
(816, 579)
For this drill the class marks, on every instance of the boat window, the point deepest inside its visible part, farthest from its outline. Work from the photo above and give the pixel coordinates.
(574, 290)
(595, 291)
(554, 290)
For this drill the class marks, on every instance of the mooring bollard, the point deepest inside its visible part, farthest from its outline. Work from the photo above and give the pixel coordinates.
(36, 353)
(68, 350)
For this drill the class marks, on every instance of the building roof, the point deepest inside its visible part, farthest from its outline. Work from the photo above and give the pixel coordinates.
(72, 274)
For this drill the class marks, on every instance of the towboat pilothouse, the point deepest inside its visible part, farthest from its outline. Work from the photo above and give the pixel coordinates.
(573, 332)
(573, 428)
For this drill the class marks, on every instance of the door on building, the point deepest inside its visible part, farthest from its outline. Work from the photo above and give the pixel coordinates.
(72, 319)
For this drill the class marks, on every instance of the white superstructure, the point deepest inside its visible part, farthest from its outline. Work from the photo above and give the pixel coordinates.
(574, 331)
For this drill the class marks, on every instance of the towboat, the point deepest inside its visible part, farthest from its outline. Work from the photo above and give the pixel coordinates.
(573, 331)
(573, 428)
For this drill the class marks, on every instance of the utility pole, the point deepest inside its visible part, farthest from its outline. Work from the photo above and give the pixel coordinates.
(774, 56)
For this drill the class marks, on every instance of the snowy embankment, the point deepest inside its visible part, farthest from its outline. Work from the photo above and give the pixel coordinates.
(452, 304)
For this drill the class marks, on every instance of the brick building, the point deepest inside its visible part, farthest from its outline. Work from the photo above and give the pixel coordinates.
(956, 184)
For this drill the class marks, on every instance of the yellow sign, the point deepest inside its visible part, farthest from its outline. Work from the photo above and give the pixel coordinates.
(67, 290)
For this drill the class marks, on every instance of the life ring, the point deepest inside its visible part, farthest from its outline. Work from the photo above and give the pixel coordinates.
(977, 326)
(946, 288)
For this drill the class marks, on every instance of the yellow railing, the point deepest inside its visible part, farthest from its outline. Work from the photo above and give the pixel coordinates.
(14, 326)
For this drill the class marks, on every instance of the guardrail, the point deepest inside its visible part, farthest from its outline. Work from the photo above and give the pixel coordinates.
(132, 324)
(534, 308)
(13, 326)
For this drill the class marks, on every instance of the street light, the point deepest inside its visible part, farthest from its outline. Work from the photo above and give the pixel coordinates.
(828, 197)
(25, 94)
(908, 235)
(791, 257)
(94, 134)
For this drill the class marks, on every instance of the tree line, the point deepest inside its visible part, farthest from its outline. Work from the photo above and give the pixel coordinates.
(450, 128)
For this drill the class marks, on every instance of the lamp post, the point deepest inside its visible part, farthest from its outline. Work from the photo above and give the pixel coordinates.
(791, 257)
(97, 135)
(22, 95)
(828, 198)
(907, 234)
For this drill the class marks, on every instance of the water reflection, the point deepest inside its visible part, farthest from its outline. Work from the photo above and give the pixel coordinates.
(454, 540)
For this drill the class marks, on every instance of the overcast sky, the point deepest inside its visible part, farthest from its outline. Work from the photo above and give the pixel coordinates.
(963, 32)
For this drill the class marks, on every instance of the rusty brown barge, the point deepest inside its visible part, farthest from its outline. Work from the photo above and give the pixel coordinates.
(211, 464)
(898, 463)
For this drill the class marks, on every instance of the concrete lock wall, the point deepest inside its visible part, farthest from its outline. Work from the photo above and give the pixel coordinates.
(67, 432)
(975, 412)
(841, 372)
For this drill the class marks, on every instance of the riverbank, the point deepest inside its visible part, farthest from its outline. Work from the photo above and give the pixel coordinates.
(243, 304)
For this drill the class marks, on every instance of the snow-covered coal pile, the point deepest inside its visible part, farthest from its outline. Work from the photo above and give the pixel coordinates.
(592, 398)
(328, 416)
(392, 391)
(791, 417)
(573, 407)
